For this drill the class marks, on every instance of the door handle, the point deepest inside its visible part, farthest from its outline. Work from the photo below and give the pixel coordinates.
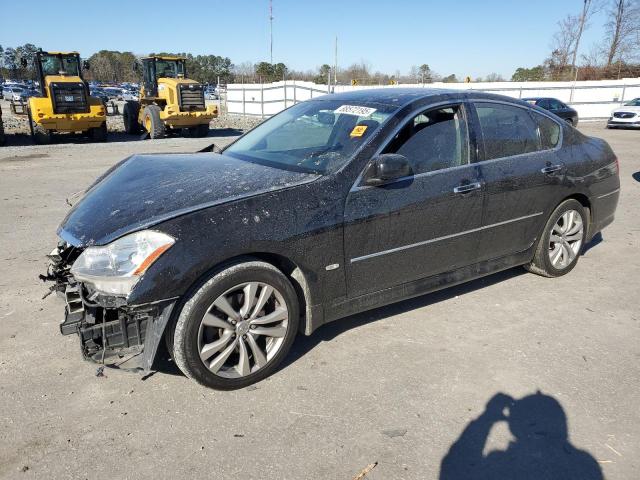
(551, 169)
(466, 188)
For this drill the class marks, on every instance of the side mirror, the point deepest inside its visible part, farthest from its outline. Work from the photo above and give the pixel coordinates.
(86, 65)
(386, 168)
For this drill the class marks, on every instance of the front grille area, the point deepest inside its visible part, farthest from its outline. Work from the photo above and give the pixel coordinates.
(191, 97)
(624, 115)
(69, 98)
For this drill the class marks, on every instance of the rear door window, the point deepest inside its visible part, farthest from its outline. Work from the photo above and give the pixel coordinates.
(506, 130)
(544, 103)
(556, 105)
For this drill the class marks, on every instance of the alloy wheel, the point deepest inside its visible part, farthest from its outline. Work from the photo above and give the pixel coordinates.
(243, 329)
(566, 239)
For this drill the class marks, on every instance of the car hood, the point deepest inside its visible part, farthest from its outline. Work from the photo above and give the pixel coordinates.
(144, 190)
(627, 109)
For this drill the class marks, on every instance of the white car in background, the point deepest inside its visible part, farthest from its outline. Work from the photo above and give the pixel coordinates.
(626, 116)
(12, 93)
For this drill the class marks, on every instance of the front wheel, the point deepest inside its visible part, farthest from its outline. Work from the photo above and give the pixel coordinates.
(152, 121)
(99, 134)
(237, 327)
(561, 242)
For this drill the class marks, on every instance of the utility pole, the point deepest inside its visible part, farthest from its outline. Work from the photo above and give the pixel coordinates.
(271, 29)
(335, 64)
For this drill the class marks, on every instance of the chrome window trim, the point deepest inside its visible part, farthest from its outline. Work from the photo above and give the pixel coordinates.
(445, 237)
(358, 185)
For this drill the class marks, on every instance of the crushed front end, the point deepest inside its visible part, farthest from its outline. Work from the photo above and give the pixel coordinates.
(111, 331)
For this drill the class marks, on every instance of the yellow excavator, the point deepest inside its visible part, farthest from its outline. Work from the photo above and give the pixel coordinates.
(63, 103)
(169, 102)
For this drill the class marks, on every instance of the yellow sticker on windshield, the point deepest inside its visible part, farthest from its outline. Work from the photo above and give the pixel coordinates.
(358, 131)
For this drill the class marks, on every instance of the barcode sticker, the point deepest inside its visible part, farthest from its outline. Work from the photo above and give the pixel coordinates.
(355, 110)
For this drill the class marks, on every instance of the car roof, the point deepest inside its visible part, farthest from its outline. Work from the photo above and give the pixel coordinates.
(400, 97)
(389, 96)
(528, 99)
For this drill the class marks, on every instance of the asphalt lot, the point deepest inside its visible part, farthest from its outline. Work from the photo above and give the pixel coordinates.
(396, 386)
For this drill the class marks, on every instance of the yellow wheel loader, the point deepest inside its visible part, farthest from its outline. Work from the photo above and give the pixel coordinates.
(169, 101)
(63, 103)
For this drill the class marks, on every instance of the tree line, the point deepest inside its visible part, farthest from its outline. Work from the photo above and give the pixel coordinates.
(616, 55)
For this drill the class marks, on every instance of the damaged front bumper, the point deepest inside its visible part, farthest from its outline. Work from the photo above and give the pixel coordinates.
(111, 331)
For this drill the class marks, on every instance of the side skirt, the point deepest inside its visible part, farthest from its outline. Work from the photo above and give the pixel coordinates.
(424, 286)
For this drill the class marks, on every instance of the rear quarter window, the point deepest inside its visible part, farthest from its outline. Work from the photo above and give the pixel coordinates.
(549, 131)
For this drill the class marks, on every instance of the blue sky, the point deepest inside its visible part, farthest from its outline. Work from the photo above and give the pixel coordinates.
(464, 37)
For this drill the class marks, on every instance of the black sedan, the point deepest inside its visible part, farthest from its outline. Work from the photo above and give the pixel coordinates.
(334, 206)
(556, 107)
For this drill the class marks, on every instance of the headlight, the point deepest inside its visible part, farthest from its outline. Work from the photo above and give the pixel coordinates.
(117, 267)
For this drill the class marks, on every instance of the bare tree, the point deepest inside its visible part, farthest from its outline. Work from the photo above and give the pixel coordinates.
(588, 9)
(622, 29)
(493, 77)
(564, 40)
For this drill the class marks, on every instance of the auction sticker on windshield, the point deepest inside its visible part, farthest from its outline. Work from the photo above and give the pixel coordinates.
(358, 131)
(355, 110)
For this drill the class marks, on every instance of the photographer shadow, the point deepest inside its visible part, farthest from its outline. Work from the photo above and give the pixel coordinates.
(541, 449)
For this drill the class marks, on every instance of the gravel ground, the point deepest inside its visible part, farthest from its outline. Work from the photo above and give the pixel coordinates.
(17, 127)
(390, 390)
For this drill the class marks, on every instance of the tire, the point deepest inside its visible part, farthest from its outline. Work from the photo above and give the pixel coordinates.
(199, 131)
(186, 339)
(569, 121)
(151, 121)
(130, 114)
(2, 137)
(543, 263)
(39, 134)
(99, 134)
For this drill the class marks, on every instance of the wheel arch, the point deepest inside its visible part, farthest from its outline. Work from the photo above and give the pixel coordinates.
(288, 267)
(586, 204)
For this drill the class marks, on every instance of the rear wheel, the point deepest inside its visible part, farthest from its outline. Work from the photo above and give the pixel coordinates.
(152, 122)
(39, 134)
(237, 327)
(199, 131)
(561, 242)
(99, 134)
(130, 117)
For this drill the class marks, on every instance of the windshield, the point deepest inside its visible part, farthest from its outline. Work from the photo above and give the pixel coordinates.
(634, 103)
(169, 68)
(60, 65)
(317, 136)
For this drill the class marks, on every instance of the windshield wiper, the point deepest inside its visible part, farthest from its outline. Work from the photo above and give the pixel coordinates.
(333, 148)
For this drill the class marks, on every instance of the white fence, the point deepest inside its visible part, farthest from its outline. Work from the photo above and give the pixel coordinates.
(592, 99)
